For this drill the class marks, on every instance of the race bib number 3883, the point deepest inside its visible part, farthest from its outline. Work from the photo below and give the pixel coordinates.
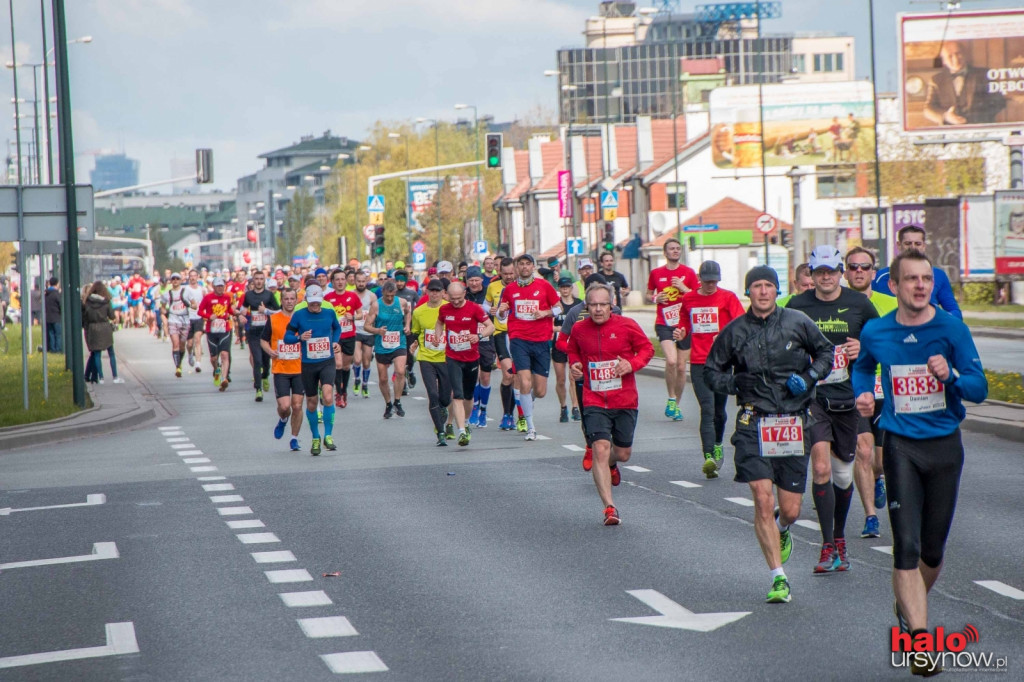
(781, 436)
(915, 390)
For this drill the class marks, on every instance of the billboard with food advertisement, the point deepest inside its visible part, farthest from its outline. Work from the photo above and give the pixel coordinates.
(805, 124)
(962, 71)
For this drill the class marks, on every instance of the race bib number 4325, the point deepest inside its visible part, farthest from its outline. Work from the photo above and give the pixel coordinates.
(915, 390)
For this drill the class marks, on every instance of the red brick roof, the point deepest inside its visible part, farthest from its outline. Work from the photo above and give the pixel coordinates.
(665, 154)
(522, 159)
(728, 214)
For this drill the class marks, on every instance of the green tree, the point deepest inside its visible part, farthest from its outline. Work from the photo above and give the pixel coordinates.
(297, 217)
(161, 253)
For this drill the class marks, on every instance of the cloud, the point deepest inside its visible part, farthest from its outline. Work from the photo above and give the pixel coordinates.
(143, 17)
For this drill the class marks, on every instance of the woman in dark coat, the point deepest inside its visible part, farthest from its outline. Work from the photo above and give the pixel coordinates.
(97, 318)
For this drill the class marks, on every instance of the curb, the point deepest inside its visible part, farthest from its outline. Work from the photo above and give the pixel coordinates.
(998, 332)
(95, 427)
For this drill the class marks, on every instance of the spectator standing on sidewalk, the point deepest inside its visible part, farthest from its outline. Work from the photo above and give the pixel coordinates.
(97, 320)
(54, 312)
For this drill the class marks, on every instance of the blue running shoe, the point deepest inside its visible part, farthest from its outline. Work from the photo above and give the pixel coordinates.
(506, 423)
(829, 561)
(474, 415)
(481, 420)
(294, 445)
(879, 493)
(870, 528)
(279, 429)
(670, 408)
(677, 416)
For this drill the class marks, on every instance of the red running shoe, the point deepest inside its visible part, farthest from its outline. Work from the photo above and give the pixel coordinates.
(611, 516)
(588, 459)
(341, 400)
(616, 476)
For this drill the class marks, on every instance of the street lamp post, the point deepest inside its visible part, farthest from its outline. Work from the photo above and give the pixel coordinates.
(437, 197)
(408, 205)
(479, 189)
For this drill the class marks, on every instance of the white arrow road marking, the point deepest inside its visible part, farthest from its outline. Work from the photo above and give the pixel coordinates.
(674, 615)
(1001, 588)
(886, 549)
(100, 550)
(120, 640)
(90, 501)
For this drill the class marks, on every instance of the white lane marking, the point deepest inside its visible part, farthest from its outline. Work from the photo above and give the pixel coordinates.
(220, 499)
(216, 487)
(686, 484)
(183, 446)
(1001, 588)
(196, 460)
(273, 557)
(804, 523)
(257, 538)
(211, 478)
(742, 501)
(200, 469)
(179, 440)
(328, 626)
(291, 575)
(120, 640)
(574, 448)
(539, 437)
(90, 501)
(169, 428)
(418, 397)
(637, 469)
(886, 549)
(100, 550)
(301, 599)
(245, 523)
(675, 615)
(233, 511)
(188, 453)
(354, 662)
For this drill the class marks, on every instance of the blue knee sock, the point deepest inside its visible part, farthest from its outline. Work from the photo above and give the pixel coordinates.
(485, 395)
(366, 375)
(313, 423)
(476, 395)
(329, 419)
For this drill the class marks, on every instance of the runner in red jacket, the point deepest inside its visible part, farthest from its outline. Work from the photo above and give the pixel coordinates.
(606, 350)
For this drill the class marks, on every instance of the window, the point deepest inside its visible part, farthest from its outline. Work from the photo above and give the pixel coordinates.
(839, 61)
(826, 63)
(836, 181)
(676, 195)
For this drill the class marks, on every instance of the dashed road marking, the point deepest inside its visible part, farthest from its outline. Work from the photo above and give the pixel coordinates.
(189, 453)
(887, 549)
(183, 446)
(574, 448)
(1001, 588)
(215, 487)
(328, 626)
(418, 397)
(211, 478)
(685, 484)
(200, 469)
(245, 523)
(221, 499)
(196, 460)
(233, 511)
(804, 523)
(539, 437)
(183, 439)
(303, 599)
(742, 501)
(257, 538)
(637, 469)
(290, 575)
(273, 557)
(169, 428)
(354, 662)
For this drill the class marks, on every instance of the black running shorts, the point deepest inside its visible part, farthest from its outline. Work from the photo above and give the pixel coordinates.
(617, 426)
(838, 428)
(313, 376)
(664, 333)
(287, 385)
(788, 473)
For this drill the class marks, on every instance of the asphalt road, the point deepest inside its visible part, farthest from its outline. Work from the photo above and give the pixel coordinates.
(481, 563)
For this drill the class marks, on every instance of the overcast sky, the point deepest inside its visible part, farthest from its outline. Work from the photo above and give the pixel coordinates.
(243, 77)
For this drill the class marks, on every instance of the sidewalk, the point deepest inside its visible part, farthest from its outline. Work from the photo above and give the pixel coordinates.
(116, 407)
(994, 417)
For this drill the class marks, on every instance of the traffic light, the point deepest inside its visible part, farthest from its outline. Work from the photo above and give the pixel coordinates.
(378, 240)
(493, 150)
(785, 236)
(204, 166)
(251, 235)
(609, 237)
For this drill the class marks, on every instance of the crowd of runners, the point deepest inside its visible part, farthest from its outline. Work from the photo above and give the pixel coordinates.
(856, 378)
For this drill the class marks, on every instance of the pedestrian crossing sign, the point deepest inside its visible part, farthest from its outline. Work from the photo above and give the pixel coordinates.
(609, 199)
(375, 203)
(376, 218)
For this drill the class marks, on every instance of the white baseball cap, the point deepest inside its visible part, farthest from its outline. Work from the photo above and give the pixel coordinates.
(825, 256)
(218, 281)
(445, 266)
(314, 294)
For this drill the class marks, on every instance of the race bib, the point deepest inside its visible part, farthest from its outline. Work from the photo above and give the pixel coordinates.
(318, 348)
(288, 351)
(258, 320)
(527, 309)
(704, 320)
(879, 393)
(781, 436)
(218, 325)
(459, 342)
(346, 325)
(178, 308)
(602, 376)
(432, 341)
(671, 314)
(391, 340)
(840, 367)
(915, 390)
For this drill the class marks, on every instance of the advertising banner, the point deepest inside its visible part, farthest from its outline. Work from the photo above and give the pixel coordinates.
(564, 194)
(977, 238)
(905, 215)
(962, 71)
(1009, 232)
(421, 193)
(805, 124)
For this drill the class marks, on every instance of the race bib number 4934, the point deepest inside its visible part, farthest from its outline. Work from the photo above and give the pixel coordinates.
(915, 390)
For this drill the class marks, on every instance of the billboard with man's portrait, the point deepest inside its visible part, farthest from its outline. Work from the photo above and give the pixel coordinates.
(962, 71)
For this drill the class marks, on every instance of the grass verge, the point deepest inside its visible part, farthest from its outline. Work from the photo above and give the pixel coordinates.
(61, 402)
(992, 308)
(986, 322)
(1005, 386)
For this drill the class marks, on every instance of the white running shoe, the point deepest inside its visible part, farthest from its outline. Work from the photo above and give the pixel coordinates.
(118, 380)
(191, 360)
(531, 434)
